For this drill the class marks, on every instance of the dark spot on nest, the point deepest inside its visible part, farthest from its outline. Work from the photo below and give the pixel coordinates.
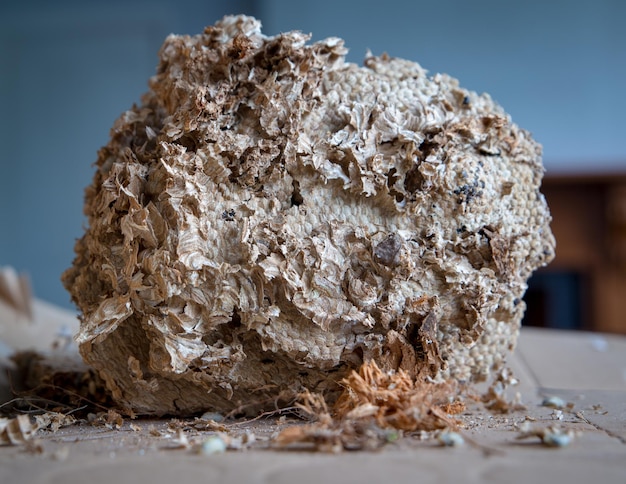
(228, 215)
(296, 196)
(387, 252)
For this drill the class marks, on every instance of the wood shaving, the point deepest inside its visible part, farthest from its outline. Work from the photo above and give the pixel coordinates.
(110, 419)
(496, 400)
(21, 429)
(269, 217)
(454, 408)
(212, 425)
(16, 431)
(53, 421)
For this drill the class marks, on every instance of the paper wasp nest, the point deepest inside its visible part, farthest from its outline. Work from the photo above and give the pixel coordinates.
(271, 216)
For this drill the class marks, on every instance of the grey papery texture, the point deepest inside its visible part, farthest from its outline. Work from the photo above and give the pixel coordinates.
(270, 216)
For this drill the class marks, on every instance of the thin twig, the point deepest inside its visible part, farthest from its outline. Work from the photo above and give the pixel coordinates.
(266, 414)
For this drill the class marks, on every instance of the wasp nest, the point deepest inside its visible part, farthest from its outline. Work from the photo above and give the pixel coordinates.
(271, 216)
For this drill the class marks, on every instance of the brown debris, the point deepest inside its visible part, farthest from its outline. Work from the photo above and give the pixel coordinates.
(394, 400)
(16, 431)
(329, 434)
(374, 409)
(495, 398)
(58, 382)
(454, 408)
(109, 419)
(53, 421)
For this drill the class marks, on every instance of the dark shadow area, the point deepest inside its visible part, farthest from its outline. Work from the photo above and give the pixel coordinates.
(556, 299)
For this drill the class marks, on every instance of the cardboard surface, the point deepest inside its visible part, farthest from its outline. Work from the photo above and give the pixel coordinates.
(574, 360)
(549, 363)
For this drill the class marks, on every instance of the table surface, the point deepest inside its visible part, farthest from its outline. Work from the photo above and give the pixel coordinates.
(587, 370)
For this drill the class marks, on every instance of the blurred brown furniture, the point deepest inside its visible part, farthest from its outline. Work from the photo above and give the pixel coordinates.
(589, 213)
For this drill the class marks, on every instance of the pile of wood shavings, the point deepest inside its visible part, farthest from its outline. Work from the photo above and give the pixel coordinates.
(375, 408)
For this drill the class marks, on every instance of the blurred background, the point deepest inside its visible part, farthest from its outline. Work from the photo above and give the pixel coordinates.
(69, 68)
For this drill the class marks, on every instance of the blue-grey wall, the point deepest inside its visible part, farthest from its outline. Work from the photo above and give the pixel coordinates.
(68, 68)
(557, 66)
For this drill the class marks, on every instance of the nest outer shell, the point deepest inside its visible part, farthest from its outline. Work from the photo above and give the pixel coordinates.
(271, 216)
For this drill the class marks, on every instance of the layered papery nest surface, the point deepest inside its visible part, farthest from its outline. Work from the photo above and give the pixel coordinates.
(271, 216)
